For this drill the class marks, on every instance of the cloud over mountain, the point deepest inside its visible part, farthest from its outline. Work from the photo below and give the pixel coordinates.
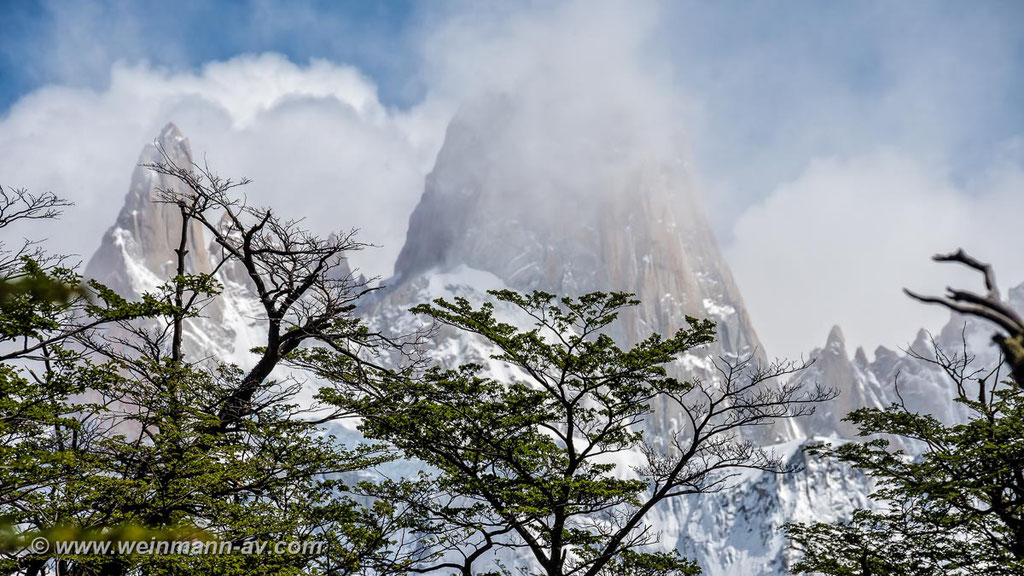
(314, 139)
(780, 111)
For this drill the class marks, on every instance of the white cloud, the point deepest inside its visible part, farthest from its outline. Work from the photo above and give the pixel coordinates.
(314, 139)
(760, 92)
(582, 73)
(838, 244)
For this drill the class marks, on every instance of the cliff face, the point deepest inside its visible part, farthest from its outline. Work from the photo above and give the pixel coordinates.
(537, 207)
(137, 252)
(573, 219)
(137, 255)
(922, 384)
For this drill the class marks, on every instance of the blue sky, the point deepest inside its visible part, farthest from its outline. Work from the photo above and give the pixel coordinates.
(77, 41)
(763, 70)
(827, 131)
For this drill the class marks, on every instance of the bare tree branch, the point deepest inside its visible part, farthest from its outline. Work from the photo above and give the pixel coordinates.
(989, 307)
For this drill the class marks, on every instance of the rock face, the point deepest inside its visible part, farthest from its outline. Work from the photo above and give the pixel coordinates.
(620, 222)
(535, 208)
(922, 385)
(832, 367)
(742, 532)
(137, 255)
(137, 252)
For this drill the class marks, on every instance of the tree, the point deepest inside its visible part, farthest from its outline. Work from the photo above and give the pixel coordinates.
(528, 463)
(989, 306)
(42, 311)
(234, 453)
(125, 433)
(957, 507)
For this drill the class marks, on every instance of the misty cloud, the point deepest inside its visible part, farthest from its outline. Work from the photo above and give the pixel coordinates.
(838, 244)
(314, 139)
(838, 145)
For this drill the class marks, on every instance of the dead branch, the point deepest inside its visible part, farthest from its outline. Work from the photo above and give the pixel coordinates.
(989, 306)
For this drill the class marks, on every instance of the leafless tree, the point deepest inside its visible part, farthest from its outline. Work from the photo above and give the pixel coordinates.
(301, 280)
(989, 306)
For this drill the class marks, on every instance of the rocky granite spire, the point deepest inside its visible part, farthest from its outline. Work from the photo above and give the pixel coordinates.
(832, 367)
(517, 203)
(923, 386)
(137, 252)
(542, 210)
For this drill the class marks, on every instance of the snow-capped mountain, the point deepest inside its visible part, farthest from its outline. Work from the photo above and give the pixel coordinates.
(137, 254)
(568, 216)
(494, 214)
(922, 385)
(628, 222)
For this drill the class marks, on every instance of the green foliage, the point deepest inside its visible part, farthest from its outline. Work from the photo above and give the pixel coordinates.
(115, 308)
(633, 563)
(527, 462)
(109, 431)
(32, 299)
(956, 507)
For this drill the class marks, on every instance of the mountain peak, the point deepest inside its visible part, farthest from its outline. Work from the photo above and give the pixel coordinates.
(836, 341)
(170, 145)
(137, 252)
(541, 206)
(922, 344)
(170, 132)
(860, 358)
(522, 197)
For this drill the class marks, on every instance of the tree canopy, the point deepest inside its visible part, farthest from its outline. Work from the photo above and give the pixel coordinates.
(536, 462)
(950, 497)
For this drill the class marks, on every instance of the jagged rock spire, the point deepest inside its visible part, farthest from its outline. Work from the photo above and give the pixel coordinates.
(541, 207)
(571, 216)
(836, 340)
(137, 252)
